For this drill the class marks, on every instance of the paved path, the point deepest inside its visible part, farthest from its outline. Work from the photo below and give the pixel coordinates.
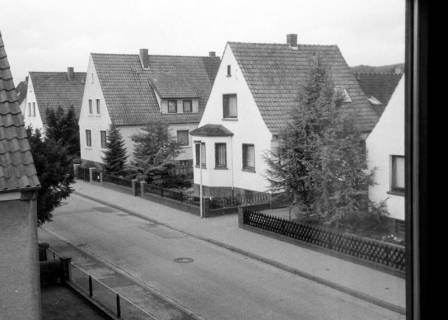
(215, 284)
(374, 285)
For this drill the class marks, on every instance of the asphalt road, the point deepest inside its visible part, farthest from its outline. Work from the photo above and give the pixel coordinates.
(212, 282)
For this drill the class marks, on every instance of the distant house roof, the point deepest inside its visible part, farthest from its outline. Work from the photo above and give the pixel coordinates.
(379, 86)
(54, 89)
(17, 171)
(130, 91)
(275, 73)
(211, 130)
(22, 89)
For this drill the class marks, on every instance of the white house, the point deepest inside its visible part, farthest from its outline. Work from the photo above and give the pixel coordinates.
(49, 90)
(133, 90)
(385, 151)
(255, 87)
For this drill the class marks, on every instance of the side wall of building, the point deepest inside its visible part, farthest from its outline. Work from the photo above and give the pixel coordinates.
(19, 265)
(31, 119)
(387, 139)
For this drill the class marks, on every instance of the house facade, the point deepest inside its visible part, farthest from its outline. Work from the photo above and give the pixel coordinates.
(255, 88)
(132, 90)
(49, 90)
(385, 151)
(19, 265)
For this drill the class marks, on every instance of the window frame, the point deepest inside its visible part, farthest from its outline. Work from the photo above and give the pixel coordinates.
(103, 145)
(244, 159)
(98, 106)
(88, 137)
(188, 137)
(34, 109)
(225, 97)
(90, 106)
(229, 70)
(394, 189)
(217, 164)
(197, 155)
(168, 105)
(191, 105)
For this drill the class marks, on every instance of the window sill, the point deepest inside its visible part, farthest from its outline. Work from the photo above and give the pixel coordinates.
(229, 119)
(203, 167)
(396, 192)
(221, 168)
(248, 170)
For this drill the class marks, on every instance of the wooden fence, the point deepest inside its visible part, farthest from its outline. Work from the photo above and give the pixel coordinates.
(377, 252)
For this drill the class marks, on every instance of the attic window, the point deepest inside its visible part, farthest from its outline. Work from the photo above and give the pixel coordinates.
(172, 106)
(342, 92)
(229, 70)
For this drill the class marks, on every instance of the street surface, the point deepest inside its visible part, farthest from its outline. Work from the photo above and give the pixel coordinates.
(208, 280)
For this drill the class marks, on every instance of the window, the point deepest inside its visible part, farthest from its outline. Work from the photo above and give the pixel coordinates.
(172, 106)
(182, 137)
(103, 139)
(229, 106)
(34, 109)
(249, 157)
(90, 106)
(188, 107)
(98, 106)
(229, 70)
(88, 138)
(220, 155)
(29, 109)
(200, 154)
(398, 172)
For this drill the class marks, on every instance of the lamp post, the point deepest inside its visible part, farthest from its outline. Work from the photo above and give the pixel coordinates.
(201, 213)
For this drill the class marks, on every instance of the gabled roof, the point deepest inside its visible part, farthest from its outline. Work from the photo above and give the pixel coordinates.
(212, 130)
(54, 89)
(275, 73)
(130, 91)
(381, 86)
(17, 171)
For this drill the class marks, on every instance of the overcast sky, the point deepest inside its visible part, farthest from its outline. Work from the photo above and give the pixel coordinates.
(49, 35)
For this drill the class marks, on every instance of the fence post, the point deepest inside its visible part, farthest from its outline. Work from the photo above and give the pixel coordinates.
(118, 307)
(75, 170)
(101, 177)
(91, 174)
(134, 187)
(205, 207)
(240, 216)
(43, 251)
(142, 188)
(65, 268)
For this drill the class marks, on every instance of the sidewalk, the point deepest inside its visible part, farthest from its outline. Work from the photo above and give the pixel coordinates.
(369, 284)
(159, 307)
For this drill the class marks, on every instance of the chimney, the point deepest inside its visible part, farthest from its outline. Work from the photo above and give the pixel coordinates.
(212, 54)
(291, 39)
(70, 73)
(144, 58)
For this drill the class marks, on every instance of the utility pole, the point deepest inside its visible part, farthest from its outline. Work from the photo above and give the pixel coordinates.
(201, 213)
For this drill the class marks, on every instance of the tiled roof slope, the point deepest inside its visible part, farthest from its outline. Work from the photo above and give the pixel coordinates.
(129, 89)
(53, 89)
(275, 73)
(379, 85)
(17, 171)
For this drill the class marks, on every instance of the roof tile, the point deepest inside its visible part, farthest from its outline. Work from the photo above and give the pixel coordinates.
(17, 171)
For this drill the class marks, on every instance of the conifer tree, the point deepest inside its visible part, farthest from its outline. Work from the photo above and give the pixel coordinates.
(62, 126)
(115, 154)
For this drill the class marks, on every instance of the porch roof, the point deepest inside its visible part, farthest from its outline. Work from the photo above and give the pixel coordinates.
(212, 130)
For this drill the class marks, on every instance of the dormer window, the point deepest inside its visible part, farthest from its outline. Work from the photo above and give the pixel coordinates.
(229, 70)
(343, 94)
(172, 106)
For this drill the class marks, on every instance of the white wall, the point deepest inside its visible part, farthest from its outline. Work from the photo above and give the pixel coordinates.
(95, 122)
(386, 139)
(248, 128)
(34, 121)
(185, 151)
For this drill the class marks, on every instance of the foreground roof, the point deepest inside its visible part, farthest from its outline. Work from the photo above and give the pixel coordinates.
(54, 89)
(17, 171)
(381, 86)
(212, 130)
(275, 73)
(130, 91)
